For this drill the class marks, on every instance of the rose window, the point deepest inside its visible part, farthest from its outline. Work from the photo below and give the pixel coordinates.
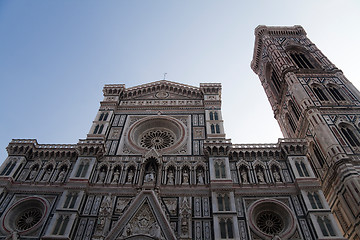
(28, 219)
(269, 222)
(157, 139)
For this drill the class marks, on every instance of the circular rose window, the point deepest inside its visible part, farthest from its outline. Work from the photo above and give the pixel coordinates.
(270, 217)
(162, 133)
(25, 215)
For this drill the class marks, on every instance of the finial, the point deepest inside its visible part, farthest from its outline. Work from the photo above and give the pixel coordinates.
(165, 76)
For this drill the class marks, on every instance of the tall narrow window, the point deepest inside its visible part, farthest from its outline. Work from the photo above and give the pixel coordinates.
(11, 168)
(60, 226)
(217, 128)
(222, 170)
(101, 129)
(298, 168)
(291, 122)
(294, 110)
(326, 226)
(350, 136)
(312, 201)
(216, 116)
(336, 94)
(318, 156)
(73, 200)
(226, 229)
(212, 128)
(217, 170)
(84, 171)
(106, 116)
(211, 116)
(67, 200)
(223, 228)
(227, 202)
(318, 200)
(304, 169)
(276, 81)
(220, 203)
(6, 168)
(96, 129)
(230, 229)
(320, 94)
(101, 117)
(79, 171)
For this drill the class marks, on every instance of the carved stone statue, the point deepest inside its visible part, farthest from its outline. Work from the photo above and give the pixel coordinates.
(244, 177)
(61, 176)
(260, 176)
(33, 173)
(200, 177)
(276, 175)
(150, 175)
(170, 177)
(105, 207)
(185, 177)
(116, 176)
(130, 176)
(102, 175)
(46, 175)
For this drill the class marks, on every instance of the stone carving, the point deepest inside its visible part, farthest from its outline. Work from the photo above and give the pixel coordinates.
(260, 176)
(185, 177)
(150, 175)
(46, 176)
(143, 223)
(33, 173)
(14, 236)
(102, 175)
(200, 177)
(185, 218)
(276, 175)
(170, 180)
(121, 204)
(116, 176)
(130, 176)
(106, 206)
(171, 205)
(244, 176)
(61, 176)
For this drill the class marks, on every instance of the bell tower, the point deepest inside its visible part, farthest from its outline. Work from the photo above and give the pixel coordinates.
(312, 99)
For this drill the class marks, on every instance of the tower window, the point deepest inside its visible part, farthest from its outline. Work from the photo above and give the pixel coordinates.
(211, 116)
(223, 202)
(276, 81)
(226, 229)
(291, 122)
(101, 117)
(318, 156)
(315, 201)
(301, 61)
(301, 168)
(217, 128)
(106, 116)
(96, 129)
(60, 226)
(326, 226)
(81, 172)
(216, 116)
(220, 170)
(212, 128)
(336, 94)
(320, 94)
(350, 136)
(294, 110)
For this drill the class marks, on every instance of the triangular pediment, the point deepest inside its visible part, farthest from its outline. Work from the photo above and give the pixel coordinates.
(144, 219)
(162, 90)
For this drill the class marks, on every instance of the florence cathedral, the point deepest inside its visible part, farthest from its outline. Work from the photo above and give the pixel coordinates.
(156, 163)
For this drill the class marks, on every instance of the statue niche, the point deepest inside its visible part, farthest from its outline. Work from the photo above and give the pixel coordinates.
(150, 172)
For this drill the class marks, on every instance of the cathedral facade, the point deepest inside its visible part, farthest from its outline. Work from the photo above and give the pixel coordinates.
(156, 163)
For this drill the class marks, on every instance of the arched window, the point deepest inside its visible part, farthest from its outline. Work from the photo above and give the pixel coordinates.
(226, 229)
(294, 110)
(315, 201)
(60, 226)
(217, 170)
(8, 168)
(326, 226)
(336, 94)
(211, 116)
(320, 93)
(222, 170)
(96, 129)
(83, 167)
(101, 117)
(350, 136)
(291, 122)
(216, 116)
(301, 168)
(318, 156)
(106, 116)
(301, 61)
(217, 128)
(212, 128)
(276, 81)
(101, 129)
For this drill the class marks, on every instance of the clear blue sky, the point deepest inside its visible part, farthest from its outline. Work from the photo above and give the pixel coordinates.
(55, 57)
